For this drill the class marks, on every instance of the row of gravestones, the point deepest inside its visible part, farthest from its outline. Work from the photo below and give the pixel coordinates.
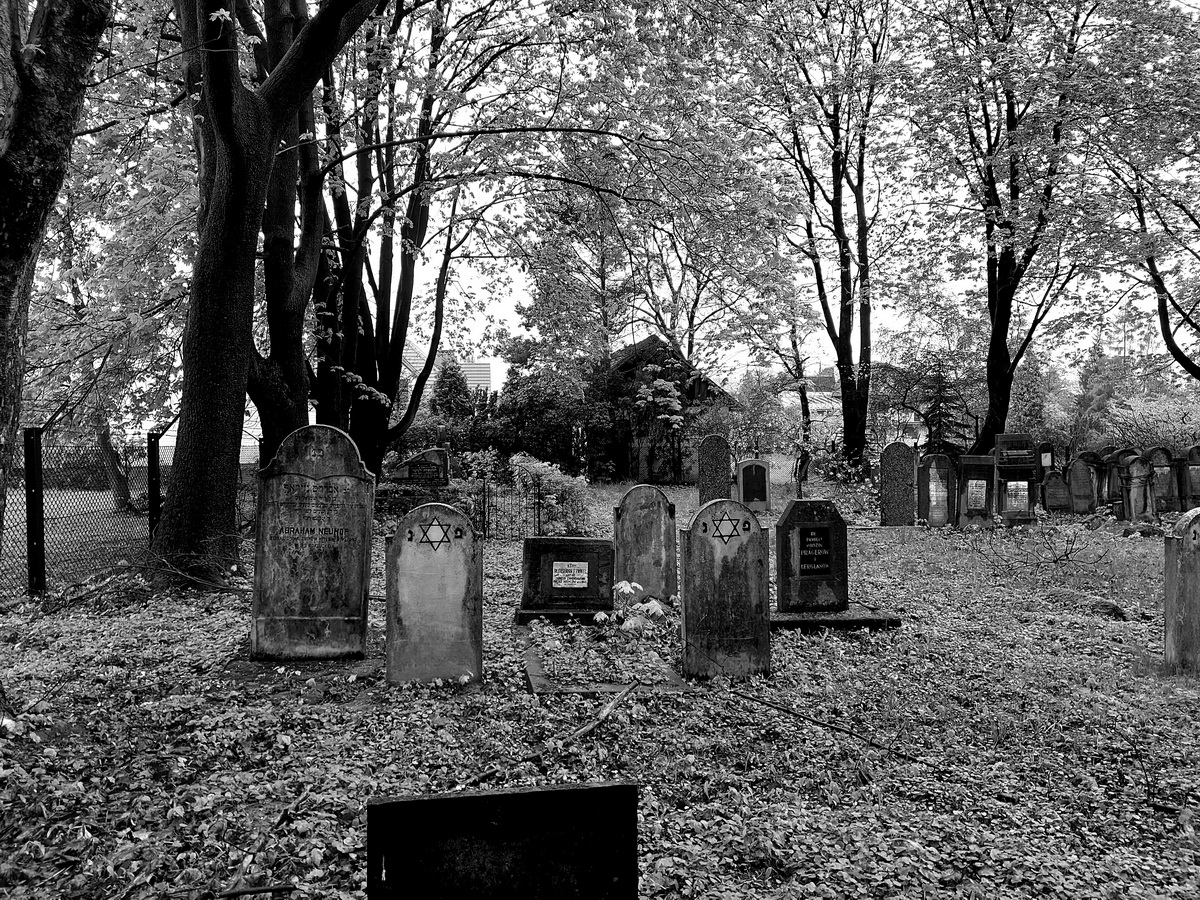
(1134, 484)
(749, 482)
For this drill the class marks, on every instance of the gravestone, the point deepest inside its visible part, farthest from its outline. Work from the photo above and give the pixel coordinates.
(1081, 479)
(1181, 595)
(1164, 480)
(1017, 467)
(726, 604)
(1055, 496)
(935, 488)
(713, 462)
(754, 484)
(976, 484)
(1141, 492)
(644, 541)
(810, 558)
(430, 468)
(527, 843)
(1045, 459)
(434, 597)
(1192, 479)
(565, 578)
(312, 561)
(897, 484)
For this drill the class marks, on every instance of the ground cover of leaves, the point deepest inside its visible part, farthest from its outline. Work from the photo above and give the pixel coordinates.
(143, 755)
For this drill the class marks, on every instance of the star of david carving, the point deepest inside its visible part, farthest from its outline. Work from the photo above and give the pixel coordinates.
(725, 528)
(435, 534)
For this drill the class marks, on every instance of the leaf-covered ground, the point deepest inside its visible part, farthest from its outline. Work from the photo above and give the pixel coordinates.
(1025, 742)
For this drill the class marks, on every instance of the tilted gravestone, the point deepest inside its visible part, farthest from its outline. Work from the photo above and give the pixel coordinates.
(726, 603)
(1192, 476)
(897, 484)
(312, 562)
(1082, 484)
(434, 597)
(1164, 480)
(644, 542)
(1056, 498)
(565, 578)
(754, 484)
(713, 462)
(935, 490)
(1181, 597)
(810, 558)
(528, 843)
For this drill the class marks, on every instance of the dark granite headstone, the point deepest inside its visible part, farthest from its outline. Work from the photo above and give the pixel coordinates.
(976, 485)
(434, 597)
(810, 558)
(430, 468)
(726, 604)
(897, 484)
(1082, 483)
(713, 461)
(644, 542)
(312, 562)
(754, 484)
(936, 490)
(565, 578)
(1055, 496)
(529, 843)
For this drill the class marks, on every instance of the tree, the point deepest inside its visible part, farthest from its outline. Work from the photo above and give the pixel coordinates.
(43, 76)
(451, 394)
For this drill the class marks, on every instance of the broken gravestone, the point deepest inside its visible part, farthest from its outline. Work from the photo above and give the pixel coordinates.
(644, 542)
(312, 561)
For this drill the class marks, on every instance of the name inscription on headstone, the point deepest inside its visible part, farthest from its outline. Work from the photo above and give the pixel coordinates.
(976, 494)
(1017, 494)
(815, 547)
(569, 575)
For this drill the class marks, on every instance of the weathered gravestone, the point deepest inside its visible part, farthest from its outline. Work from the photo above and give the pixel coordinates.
(935, 488)
(754, 484)
(713, 462)
(1141, 493)
(434, 597)
(1017, 465)
(810, 558)
(565, 578)
(1055, 496)
(312, 562)
(1192, 479)
(530, 843)
(430, 468)
(726, 603)
(897, 484)
(644, 542)
(976, 486)
(1164, 480)
(1082, 482)
(1181, 598)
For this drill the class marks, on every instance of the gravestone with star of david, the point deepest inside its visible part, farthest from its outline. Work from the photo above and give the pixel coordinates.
(726, 602)
(564, 578)
(312, 561)
(434, 597)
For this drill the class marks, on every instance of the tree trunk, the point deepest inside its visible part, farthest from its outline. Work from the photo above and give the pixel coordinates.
(42, 80)
(1003, 278)
(117, 474)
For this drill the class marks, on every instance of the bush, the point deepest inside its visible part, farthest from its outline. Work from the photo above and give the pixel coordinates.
(564, 497)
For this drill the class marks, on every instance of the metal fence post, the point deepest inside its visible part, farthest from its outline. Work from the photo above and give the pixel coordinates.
(35, 512)
(153, 482)
(538, 503)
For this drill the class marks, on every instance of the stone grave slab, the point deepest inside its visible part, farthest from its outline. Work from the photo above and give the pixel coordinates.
(936, 490)
(312, 561)
(434, 597)
(1081, 482)
(644, 542)
(1056, 498)
(528, 843)
(713, 462)
(539, 683)
(976, 486)
(898, 484)
(726, 601)
(565, 578)
(429, 468)
(754, 484)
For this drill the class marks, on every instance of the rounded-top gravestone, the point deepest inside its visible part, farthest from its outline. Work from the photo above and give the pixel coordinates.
(713, 457)
(644, 542)
(897, 484)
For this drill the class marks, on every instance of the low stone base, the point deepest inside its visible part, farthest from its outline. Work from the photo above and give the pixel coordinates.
(559, 615)
(535, 677)
(857, 616)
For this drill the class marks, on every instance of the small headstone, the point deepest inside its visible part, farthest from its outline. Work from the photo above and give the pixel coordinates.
(810, 558)
(430, 468)
(434, 597)
(726, 605)
(528, 843)
(1045, 454)
(713, 460)
(644, 541)
(1056, 497)
(1164, 483)
(976, 483)
(1082, 483)
(897, 484)
(754, 484)
(935, 488)
(312, 562)
(565, 578)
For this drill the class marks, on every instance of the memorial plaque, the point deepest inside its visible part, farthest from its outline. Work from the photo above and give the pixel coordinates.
(565, 578)
(754, 484)
(726, 604)
(434, 597)
(811, 558)
(977, 494)
(713, 460)
(561, 842)
(935, 487)
(312, 566)
(644, 542)
(897, 484)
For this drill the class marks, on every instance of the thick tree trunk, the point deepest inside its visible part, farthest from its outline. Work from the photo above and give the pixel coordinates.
(1003, 279)
(42, 80)
(114, 470)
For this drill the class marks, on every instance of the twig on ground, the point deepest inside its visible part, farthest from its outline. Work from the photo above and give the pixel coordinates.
(269, 889)
(284, 818)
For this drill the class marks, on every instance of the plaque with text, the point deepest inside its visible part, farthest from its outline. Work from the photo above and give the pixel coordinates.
(815, 546)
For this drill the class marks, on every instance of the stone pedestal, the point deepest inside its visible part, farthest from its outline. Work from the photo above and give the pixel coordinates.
(565, 578)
